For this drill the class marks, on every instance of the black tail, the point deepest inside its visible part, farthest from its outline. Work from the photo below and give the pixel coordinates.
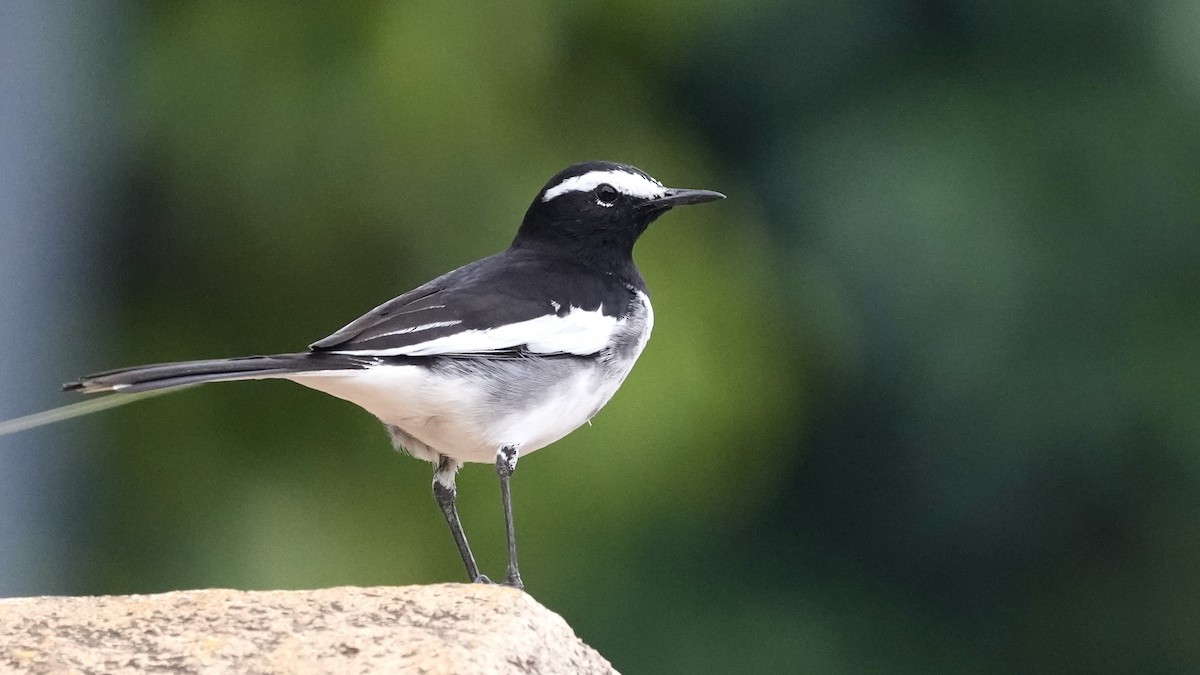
(164, 375)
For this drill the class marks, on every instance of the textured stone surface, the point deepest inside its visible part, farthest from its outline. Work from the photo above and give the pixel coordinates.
(447, 628)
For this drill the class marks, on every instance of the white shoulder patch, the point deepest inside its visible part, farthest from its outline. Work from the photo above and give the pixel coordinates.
(579, 332)
(632, 184)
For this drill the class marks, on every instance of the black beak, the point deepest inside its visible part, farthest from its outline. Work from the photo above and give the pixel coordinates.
(682, 197)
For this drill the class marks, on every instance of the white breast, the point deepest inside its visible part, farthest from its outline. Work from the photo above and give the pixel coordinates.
(577, 398)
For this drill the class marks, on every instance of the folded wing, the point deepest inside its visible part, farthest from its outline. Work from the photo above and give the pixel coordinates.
(475, 311)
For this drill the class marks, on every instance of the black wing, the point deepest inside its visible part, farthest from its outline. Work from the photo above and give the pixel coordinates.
(510, 302)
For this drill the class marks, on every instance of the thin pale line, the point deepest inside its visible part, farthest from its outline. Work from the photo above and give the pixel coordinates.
(415, 329)
(71, 410)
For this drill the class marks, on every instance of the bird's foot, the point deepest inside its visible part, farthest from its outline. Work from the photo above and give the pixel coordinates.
(481, 579)
(514, 581)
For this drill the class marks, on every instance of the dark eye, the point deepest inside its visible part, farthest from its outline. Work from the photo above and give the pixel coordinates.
(607, 193)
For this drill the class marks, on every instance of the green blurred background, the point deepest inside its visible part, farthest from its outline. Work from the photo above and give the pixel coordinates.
(923, 393)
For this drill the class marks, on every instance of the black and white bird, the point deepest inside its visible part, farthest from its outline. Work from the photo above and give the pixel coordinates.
(495, 359)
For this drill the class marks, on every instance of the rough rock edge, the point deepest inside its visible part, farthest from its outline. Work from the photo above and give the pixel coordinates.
(446, 628)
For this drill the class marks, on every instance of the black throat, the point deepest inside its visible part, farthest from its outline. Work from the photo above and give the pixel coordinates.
(605, 247)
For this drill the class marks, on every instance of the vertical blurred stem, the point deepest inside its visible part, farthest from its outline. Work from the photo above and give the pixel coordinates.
(56, 141)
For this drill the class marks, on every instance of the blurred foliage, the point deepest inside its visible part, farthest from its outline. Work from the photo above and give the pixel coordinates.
(922, 394)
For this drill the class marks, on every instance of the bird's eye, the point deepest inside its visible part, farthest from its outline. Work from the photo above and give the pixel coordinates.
(607, 194)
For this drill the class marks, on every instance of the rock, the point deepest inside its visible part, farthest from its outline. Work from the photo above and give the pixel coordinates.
(446, 628)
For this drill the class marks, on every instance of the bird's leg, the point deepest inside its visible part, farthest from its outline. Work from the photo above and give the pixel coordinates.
(444, 492)
(506, 464)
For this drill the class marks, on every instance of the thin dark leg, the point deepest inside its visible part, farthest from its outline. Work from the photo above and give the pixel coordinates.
(506, 464)
(444, 492)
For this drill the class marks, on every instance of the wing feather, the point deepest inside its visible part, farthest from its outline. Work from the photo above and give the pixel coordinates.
(498, 306)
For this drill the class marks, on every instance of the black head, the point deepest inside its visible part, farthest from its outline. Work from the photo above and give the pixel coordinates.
(597, 210)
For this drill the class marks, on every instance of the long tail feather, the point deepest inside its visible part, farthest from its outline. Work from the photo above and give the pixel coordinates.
(164, 375)
(139, 382)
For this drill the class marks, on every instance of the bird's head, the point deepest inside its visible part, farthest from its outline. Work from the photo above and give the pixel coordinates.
(597, 210)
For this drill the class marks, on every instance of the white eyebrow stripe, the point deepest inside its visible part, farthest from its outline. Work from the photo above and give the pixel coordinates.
(633, 184)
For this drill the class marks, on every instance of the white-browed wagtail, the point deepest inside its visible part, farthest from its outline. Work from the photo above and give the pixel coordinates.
(496, 359)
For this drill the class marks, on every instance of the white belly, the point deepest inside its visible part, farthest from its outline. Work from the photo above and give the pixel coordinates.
(462, 416)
